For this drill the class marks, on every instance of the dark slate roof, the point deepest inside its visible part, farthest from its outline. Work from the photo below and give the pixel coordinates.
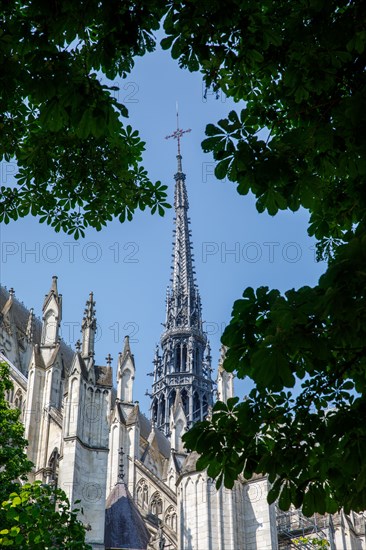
(21, 315)
(145, 430)
(38, 358)
(163, 443)
(124, 526)
(189, 464)
(103, 376)
(145, 426)
(82, 366)
(178, 460)
(133, 417)
(120, 412)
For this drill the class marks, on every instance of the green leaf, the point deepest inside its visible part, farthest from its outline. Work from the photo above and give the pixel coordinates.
(284, 500)
(166, 42)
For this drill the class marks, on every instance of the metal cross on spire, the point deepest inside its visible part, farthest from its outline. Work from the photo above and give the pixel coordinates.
(178, 134)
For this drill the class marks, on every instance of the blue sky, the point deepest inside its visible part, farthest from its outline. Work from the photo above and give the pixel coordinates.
(128, 266)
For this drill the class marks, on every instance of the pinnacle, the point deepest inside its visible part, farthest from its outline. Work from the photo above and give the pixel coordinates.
(122, 356)
(52, 292)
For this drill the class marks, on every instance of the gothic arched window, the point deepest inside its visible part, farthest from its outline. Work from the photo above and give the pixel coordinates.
(155, 410)
(127, 385)
(185, 402)
(171, 518)
(145, 496)
(162, 410)
(18, 400)
(197, 352)
(49, 328)
(177, 358)
(196, 407)
(52, 467)
(184, 357)
(142, 494)
(156, 506)
(171, 399)
(139, 495)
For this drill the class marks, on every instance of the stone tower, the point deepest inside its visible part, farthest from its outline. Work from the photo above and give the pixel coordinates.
(182, 364)
(85, 434)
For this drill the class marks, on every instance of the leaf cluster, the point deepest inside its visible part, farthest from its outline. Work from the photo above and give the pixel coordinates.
(14, 464)
(302, 424)
(32, 515)
(78, 163)
(38, 516)
(300, 68)
(312, 542)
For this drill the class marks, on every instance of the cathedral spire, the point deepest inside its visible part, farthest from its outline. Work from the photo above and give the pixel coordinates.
(88, 328)
(183, 304)
(180, 371)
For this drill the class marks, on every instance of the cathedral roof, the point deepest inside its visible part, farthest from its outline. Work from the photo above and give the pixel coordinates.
(120, 413)
(38, 359)
(124, 526)
(20, 315)
(163, 442)
(80, 363)
(189, 464)
(103, 376)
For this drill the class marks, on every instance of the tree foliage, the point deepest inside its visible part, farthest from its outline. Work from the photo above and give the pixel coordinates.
(38, 517)
(78, 162)
(14, 464)
(312, 542)
(300, 68)
(32, 515)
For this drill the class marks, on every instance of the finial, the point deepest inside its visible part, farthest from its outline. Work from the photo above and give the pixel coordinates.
(89, 314)
(177, 135)
(121, 473)
(126, 347)
(109, 359)
(54, 285)
(78, 346)
(89, 311)
(11, 291)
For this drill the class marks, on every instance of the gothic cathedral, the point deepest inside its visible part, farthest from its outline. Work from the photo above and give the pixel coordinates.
(139, 489)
